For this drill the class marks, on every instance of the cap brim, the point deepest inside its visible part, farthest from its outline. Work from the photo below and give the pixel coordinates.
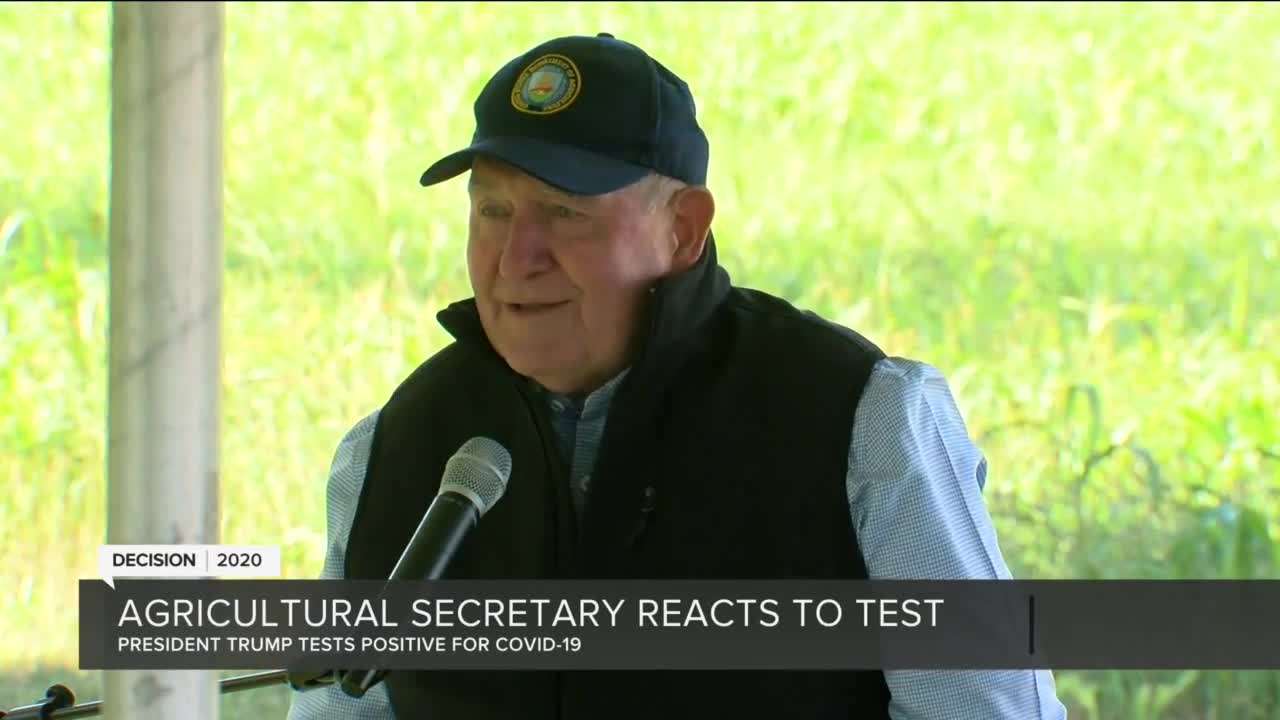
(571, 169)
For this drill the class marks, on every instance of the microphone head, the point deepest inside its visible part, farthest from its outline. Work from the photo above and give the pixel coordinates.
(479, 471)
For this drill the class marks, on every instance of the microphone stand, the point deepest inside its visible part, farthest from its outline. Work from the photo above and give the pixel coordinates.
(59, 702)
(447, 520)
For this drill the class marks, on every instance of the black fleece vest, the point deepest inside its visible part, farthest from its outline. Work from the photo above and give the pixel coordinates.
(724, 456)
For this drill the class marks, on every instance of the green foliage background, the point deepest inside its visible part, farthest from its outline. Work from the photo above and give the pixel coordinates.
(1072, 209)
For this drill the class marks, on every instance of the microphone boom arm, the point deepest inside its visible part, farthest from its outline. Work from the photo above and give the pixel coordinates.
(453, 513)
(59, 702)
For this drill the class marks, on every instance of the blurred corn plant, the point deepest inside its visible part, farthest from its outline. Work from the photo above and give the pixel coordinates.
(1069, 208)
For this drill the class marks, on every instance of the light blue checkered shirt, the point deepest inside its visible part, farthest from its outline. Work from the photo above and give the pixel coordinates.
(915, 484)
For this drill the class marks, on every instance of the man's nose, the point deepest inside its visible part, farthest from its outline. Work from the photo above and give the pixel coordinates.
(528, 250)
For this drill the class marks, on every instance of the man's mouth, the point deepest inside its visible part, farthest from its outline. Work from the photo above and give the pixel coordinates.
(534, 308)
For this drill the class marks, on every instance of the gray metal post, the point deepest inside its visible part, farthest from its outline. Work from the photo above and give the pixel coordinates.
(165, 308)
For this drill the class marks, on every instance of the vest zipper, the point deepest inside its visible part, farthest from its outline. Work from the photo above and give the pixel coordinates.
(647, 505)
(566, 557)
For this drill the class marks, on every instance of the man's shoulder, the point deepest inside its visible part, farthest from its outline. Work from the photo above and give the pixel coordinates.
(903, 386)
(453, 373)
(443, 363)
(896, 387)
(905, 399)
(799, 329)
(897, 375)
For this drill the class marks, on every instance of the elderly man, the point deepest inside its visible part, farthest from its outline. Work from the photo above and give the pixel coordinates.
(664, 423)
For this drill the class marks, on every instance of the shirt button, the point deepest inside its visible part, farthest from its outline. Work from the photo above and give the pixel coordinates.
(650, 499)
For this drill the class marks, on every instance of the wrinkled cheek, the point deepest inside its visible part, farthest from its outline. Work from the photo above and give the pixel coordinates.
(481, 265)
(610, 322)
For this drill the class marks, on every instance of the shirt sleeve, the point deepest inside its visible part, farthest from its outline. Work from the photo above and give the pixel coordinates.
(346, 480)
(915, 486)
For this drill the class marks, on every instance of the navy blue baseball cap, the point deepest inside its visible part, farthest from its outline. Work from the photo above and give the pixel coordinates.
(588, 115)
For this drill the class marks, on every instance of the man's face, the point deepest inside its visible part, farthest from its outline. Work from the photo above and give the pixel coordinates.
(560, 280)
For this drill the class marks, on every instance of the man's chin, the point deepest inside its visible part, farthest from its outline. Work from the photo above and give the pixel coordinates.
(543, 366)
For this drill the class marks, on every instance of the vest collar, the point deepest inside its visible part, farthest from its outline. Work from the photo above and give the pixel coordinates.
(679, 306)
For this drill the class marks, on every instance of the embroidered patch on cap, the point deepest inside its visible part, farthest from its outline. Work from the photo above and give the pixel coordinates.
(547, 85)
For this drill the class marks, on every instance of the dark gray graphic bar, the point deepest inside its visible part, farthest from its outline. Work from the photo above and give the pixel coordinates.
(678, 625)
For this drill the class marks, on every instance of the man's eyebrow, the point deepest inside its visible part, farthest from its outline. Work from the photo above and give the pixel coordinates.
(559, 194)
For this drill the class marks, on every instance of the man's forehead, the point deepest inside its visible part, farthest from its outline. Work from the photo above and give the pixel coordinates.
(493, 174)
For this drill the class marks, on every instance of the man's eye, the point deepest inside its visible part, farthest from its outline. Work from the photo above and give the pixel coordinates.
(492, 211)
(560, 211)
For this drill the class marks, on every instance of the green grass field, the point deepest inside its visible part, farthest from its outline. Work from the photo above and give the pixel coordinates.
(1073, 210)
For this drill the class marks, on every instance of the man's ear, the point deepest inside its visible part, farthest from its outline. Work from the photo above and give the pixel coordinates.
(693, 208)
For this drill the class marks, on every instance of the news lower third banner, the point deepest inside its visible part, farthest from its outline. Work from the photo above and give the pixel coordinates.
(316, 625)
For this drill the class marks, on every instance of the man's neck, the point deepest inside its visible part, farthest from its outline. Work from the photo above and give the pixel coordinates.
(580, 392)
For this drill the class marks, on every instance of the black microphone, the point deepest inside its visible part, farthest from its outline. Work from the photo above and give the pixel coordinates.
(474, 480)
